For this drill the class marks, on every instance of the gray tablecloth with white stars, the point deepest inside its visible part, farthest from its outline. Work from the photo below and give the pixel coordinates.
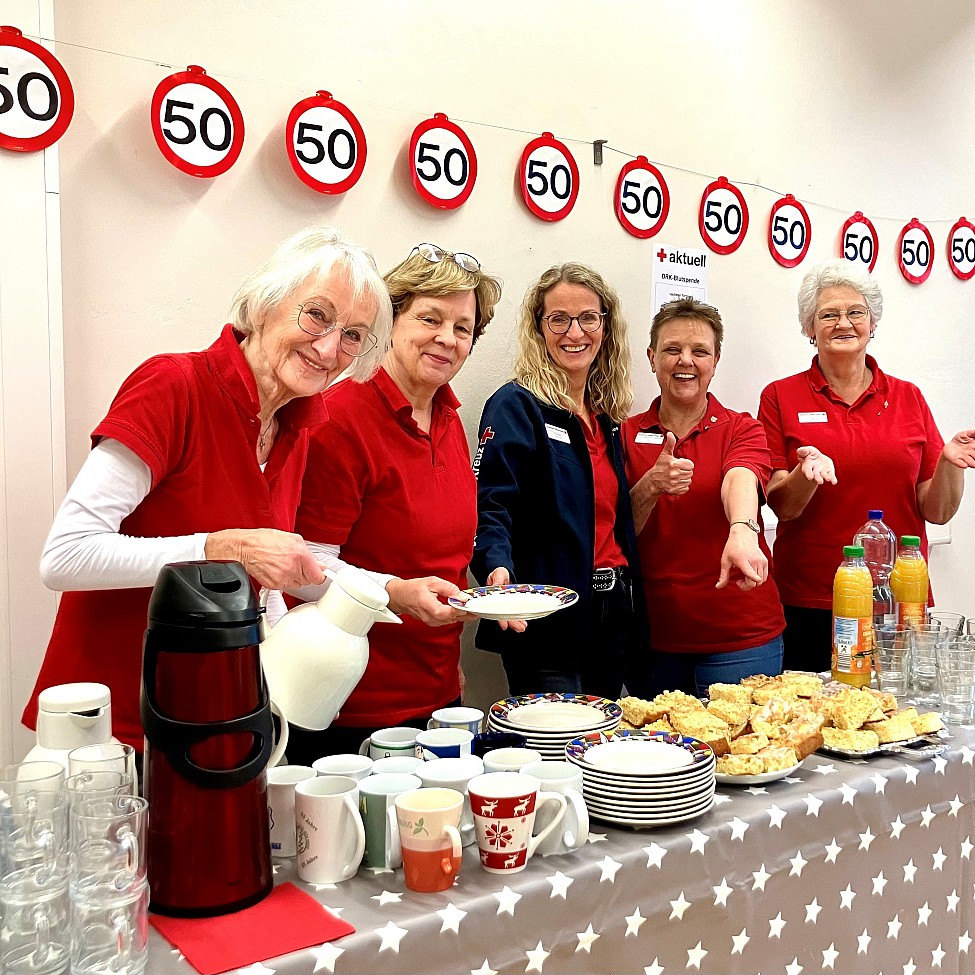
(843, 867)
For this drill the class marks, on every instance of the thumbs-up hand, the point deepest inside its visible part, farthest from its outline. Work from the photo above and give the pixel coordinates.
(670, 475)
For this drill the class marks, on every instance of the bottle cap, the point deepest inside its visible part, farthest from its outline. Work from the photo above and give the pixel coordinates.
(852, 551)
(875, 515)
(912, 541)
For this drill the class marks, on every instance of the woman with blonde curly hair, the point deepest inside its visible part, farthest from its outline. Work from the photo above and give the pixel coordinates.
(553, 505)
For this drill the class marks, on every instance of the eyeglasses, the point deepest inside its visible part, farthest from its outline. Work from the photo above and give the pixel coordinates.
(435, 255)
(317, 319)
(560, 323)
(853, 315)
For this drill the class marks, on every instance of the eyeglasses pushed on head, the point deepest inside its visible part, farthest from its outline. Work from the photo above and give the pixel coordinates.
(435, 254)
(317, 318)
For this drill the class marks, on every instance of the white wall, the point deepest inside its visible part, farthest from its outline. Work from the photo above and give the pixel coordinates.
(849, 105)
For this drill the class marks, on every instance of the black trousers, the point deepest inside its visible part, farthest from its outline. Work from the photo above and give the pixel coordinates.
(808, 638)
(613, 633)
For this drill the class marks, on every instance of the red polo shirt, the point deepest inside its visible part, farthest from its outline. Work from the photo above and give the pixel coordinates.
(883, 447)
(607, 551)
(681, 544)
(192, 418)
(401, 501)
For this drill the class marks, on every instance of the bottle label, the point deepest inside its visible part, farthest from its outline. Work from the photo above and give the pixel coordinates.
(852, 645)
(910, 614)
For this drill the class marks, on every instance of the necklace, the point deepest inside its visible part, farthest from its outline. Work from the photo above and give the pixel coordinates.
(262, 438)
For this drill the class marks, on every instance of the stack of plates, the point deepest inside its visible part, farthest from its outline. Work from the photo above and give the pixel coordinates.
(644, 778)
(551, 721)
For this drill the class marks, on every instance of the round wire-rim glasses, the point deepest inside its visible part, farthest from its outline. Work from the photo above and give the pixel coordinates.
(314, 319)
(435, 254)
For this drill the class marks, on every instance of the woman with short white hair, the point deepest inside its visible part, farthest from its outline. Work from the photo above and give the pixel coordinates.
(846, 438)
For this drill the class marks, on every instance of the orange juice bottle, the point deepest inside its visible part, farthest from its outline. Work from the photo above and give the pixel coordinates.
(852, 619)
(909, 582)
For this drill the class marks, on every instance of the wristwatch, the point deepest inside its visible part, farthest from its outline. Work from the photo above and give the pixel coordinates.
(752, 524)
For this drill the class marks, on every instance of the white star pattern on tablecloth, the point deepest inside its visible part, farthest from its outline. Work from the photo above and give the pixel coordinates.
(760, 878)
(609, 868)
(738, 828)
(739, 941)
(507, 899)
(485, 969)
(797, 864)
(953, 900)
(966, 755)
(846, 898)
(775, 926)
(793, 968)
(909, 871)
(655, 968)
(833, 851)
(387, 897)
(791, 778)
(695, 956)
(720, 798)
(757, 790)
(597, 838)
(866, 839)
(879, 882)
(560, 884)
(451, 916)
(633, 922)
(721, 893)
(896, 828)
(391, 936)
(698, 841)
(275, 867)
(678, 907)
(256, 969)
(325, 957)
(938, 859)
(964, 942)
(586, 940)
(812, 911)
(775, 816)
(317, 887)
(337, 911)
(966, 848)
(536, 958)
(825, 769)
(848, 793)
(910, 774)
(927, 814)
(375, 871)
(940, 764)
(830, 955)
(910, 968)
(812, 805)
(894, 927)
(880, 783)
(863, 942)
(954, 807)
(937, 957)
(655, 854)
(923, 913)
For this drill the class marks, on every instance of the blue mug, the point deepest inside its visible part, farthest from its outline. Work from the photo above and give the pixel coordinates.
(443, 743)
(487, 741)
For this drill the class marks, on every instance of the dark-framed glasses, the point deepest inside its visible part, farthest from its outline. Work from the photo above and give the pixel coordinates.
(435, 254)
(317, 318)
(853, 315)
(560, 323)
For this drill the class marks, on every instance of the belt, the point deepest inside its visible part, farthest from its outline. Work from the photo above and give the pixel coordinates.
(605, 579)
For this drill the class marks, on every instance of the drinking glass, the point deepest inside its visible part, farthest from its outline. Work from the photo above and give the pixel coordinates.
(924, 665)
(893, 646)
(106, 756)
(956, 679)
(101, 784)
(24, 777)
(108, 845)
(109, 930)
(953, 622)
(33, 830)
(34, 938)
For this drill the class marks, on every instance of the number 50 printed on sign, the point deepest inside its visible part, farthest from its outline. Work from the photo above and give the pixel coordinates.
(443, 164)
(549, 178)
(325, 143)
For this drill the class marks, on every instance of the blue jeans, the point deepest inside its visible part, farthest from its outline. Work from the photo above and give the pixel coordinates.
(693, 673)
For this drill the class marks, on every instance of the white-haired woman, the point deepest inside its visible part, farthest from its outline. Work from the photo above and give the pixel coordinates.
(844, 438)
(553, 503)
(201, 456)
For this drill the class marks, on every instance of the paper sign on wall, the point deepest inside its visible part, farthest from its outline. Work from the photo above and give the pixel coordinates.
(679, 272)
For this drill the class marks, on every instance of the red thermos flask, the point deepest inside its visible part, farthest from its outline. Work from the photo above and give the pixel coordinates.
(209, 732)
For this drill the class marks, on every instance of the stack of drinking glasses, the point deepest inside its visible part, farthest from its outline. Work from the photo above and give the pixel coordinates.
(955, 667)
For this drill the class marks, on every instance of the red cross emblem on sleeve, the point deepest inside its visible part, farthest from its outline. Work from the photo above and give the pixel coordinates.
(486, 436)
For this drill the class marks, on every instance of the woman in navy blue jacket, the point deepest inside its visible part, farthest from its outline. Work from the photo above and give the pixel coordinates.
(553, 504)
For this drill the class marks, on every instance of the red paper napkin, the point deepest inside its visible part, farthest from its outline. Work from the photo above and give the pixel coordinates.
(286, 920)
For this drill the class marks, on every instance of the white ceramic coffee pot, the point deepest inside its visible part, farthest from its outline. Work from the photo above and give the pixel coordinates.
(69, 716)
(316, 653)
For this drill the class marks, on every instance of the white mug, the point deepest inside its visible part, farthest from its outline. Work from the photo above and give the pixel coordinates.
(469, 719)
(566, 778)
(404, 764)
(504, 806)
(281, 782)
(355, 766)
(330, 836)
(454, 773)
(387, 742)
(510, 759)
(443, 743)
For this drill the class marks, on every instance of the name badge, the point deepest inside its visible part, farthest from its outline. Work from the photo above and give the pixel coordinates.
(557, 433)
(812, 417)
(644, 437)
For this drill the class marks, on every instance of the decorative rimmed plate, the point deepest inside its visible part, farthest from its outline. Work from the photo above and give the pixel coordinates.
(501, 711)
(914, 749)
(723, 779)
(650, 822)
(524, 601)
(657, 807)
(575, 750)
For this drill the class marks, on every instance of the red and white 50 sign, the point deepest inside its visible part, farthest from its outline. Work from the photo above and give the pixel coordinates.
(642, 198)
(858, 241)
(789, 231)
(723, 217)
(961, 249)
(549, 178)
(326, 145)
(197, 123)
(36, 98)
(915, 251)
(443, 162)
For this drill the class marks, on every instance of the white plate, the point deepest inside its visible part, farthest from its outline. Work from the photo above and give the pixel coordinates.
(723, 779)
(660, 807)
(650, 822)
(561, 716)
(638, 757)
(516, 602)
